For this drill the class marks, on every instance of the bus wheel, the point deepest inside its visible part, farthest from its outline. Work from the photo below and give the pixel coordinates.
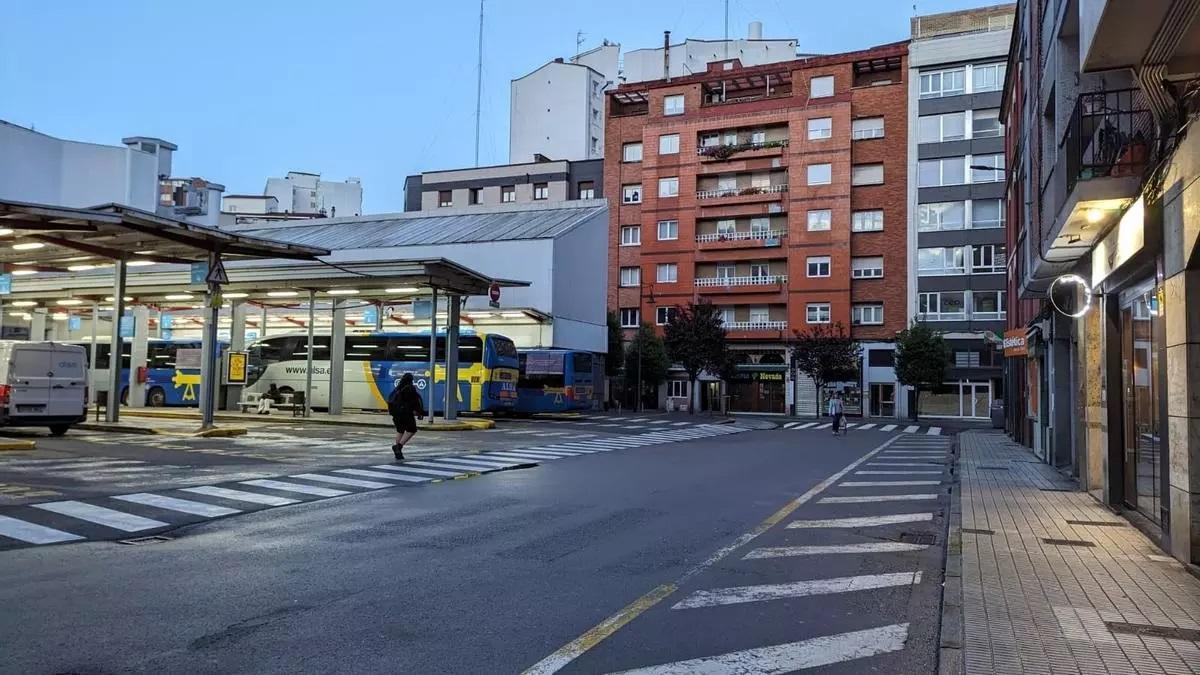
(157, 398)
(59, 429)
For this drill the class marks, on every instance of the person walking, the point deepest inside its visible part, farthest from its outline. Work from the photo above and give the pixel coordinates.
(403, 405)
(836, 411)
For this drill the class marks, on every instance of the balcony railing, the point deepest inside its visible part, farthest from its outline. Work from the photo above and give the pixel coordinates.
(739, 236)
(739, 192)
(725, 151)
(1111, 133)
(757, 280)
(755, 325)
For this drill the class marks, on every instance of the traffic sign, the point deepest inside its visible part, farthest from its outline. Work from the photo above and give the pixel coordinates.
(494, 292)
(216, 274)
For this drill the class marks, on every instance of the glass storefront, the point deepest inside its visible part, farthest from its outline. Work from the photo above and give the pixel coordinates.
(1141, 329)
(758, 391)
(965, 398)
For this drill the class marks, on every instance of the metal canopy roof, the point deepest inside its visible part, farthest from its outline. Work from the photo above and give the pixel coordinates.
(54, 238)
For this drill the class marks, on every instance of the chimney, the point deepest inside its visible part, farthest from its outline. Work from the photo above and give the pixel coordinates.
(755, 32)
(667, 55)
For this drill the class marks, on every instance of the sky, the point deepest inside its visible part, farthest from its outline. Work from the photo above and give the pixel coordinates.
(373, 89)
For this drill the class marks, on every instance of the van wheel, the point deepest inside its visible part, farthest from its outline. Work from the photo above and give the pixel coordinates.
(157, 398)
(59, 429)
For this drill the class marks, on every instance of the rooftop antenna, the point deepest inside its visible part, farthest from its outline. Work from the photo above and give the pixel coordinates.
(727, 29)
(578, 41)
(478, 83)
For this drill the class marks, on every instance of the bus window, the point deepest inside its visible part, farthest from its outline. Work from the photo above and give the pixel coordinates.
(470, 349)
(161, 354)
(582, 363)
(366, 348)
(502, 346)
(410, 348)
(102, 352)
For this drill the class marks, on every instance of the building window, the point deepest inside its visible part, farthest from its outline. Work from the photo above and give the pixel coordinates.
(631, 194)
(758, 137)
(942, 306)
(866, 314)
(818, 266)
(760, 270)
(965, 358)
(595, 145)
(881, 358)
(820, 174)
(939, 216)
(819, 128)
(986, 123)
(938, 128)
(508, 194)
(866, 268)
(668, 187)
(631, 235)
(445, 198)
(987, 168)
(937, 172)
(631, 152)
(630, 317)
(726, 270)
(586, 189)
(941, 261)
(819, 220)
(673, 105)
(987, 305)
(760, 226)
(820, 87)
(987, 213)
(988, 77)
(664, 315)
(868, 127)
(866, 174)
(668, 230)
(475, 196)
(541, 191)
(726, 227)
(987, 259)
(817, 312)
(595, 116)
(595, 88)
(866, 221)
(668, 273)
(760, 314)
(940, 83)
(668, 144)
(631, 276)
(677, 388)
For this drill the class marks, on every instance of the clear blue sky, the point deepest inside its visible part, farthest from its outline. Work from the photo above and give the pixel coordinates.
(369, 88)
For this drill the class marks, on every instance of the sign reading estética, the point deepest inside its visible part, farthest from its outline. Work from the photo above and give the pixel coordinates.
(1015, 342)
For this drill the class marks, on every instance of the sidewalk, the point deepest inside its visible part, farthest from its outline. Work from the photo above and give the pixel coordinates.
(1053, 582)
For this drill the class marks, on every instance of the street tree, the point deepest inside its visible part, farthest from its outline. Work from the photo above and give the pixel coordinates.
(616, 347)
(695, 339)
(921, 355)
(653, 363)
(826, 353)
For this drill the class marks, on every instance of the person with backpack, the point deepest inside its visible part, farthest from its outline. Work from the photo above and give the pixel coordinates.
(836, 411)
(404, 405)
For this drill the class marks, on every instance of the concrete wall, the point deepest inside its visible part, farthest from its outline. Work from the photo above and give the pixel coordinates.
(306, 193)
(581, 282)
(550, 111)
(693, 56)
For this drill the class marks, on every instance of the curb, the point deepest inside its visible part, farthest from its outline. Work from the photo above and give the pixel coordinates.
(215, 432)
(472, 424)
(17, 445)
(951, 658)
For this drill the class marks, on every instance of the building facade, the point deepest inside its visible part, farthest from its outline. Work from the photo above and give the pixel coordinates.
(778, 193)
(1101, 106)
(505, 186)
(558, 109)
(956, 199)
(305, 193)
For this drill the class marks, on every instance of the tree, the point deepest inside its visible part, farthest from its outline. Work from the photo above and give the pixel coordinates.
(826, 353)
(921, 355)
(616, 347)
(695, 339)
(654, 362)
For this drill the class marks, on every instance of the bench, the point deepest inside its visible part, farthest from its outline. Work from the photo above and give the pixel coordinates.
(249, 401)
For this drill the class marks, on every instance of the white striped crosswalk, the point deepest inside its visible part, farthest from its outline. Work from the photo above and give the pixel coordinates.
(911, 429)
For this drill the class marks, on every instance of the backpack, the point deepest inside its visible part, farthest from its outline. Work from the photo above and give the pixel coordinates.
(395, 402)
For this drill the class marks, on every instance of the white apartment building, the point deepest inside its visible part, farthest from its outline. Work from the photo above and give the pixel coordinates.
(300, 192)
(693, 56)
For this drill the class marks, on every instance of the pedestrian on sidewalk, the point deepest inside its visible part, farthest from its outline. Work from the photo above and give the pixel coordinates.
(269, 398)
(403, 405)
(836, 411)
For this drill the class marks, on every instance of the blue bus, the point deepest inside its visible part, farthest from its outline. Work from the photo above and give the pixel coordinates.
(166, 383)
(487, 368)
(557, 380)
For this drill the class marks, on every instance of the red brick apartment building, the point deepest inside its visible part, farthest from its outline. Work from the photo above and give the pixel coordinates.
(778, 193)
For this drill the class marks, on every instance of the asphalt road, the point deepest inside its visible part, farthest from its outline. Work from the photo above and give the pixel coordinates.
(506, 571)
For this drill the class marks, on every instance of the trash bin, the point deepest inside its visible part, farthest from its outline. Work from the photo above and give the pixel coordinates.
(998, 414)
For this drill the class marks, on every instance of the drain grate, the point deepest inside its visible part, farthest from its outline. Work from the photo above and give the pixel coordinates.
(141, 541)
(1067, 542)
(1098, 523)
(992, 468)
(1188, 634)
(971, 530)
(1056, 489)
(922, 538)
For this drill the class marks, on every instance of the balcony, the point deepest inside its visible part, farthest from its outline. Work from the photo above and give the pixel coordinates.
(744, 235)
(720, 193)
(748, 150)
(756, 325)
(730, 282)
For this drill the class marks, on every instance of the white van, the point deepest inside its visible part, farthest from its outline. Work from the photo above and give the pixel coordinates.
(42, 384)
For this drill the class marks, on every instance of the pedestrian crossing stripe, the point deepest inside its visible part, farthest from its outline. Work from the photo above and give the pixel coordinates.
(913, 430)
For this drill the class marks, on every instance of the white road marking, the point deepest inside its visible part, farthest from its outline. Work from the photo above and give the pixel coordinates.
(658, 422)
(807, 425)
(679, 424)
(889, 483)
(870, 499)
(117, 520)
(492, 462)
(295, 487)
(32, 533)
(180, 505)
(338, 480)
(441, 464)
(925, 464)
(791, 551)
(796, 589)
(73, 464)
(521, 455)
(867, 426)
(848, 425)
(792, 656)
(934, 431)
(911, 429)
(241, 495)
(549, 454)
(826, 425)
(909, 472)
(473, 466)
(385, 475)
(426, 472)
(887, 427)
(863, 521)
(790, 425)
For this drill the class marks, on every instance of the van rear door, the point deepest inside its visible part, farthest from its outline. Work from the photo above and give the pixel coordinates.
(68, 381)
(29, 378)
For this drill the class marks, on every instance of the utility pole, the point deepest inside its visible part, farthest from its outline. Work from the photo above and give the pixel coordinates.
(726, 29)
(578, 41)
(478, 82)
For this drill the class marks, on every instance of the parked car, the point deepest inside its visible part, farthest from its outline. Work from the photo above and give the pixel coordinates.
(42, 384)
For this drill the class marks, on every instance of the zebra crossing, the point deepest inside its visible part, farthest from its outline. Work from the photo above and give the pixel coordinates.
(889, 536)
(869, 426)
(115, 516)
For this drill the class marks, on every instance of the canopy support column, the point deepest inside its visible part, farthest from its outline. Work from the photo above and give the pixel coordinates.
(237, 343)
(432, 353)
(308, 370)
(37, 325)
(452, 318)
(138, 352)
(112, 404)
(210, 351)
(92, 383)
(337, 357)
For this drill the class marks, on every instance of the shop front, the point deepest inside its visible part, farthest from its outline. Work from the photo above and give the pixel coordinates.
(762, 389)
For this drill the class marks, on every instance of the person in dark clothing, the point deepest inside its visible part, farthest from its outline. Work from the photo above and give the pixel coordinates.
(405, 405)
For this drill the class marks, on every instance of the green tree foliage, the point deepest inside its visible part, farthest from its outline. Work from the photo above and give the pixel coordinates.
(695, 339)
(921, 356)
(826, 353)
(616, 348)
(654, 361)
